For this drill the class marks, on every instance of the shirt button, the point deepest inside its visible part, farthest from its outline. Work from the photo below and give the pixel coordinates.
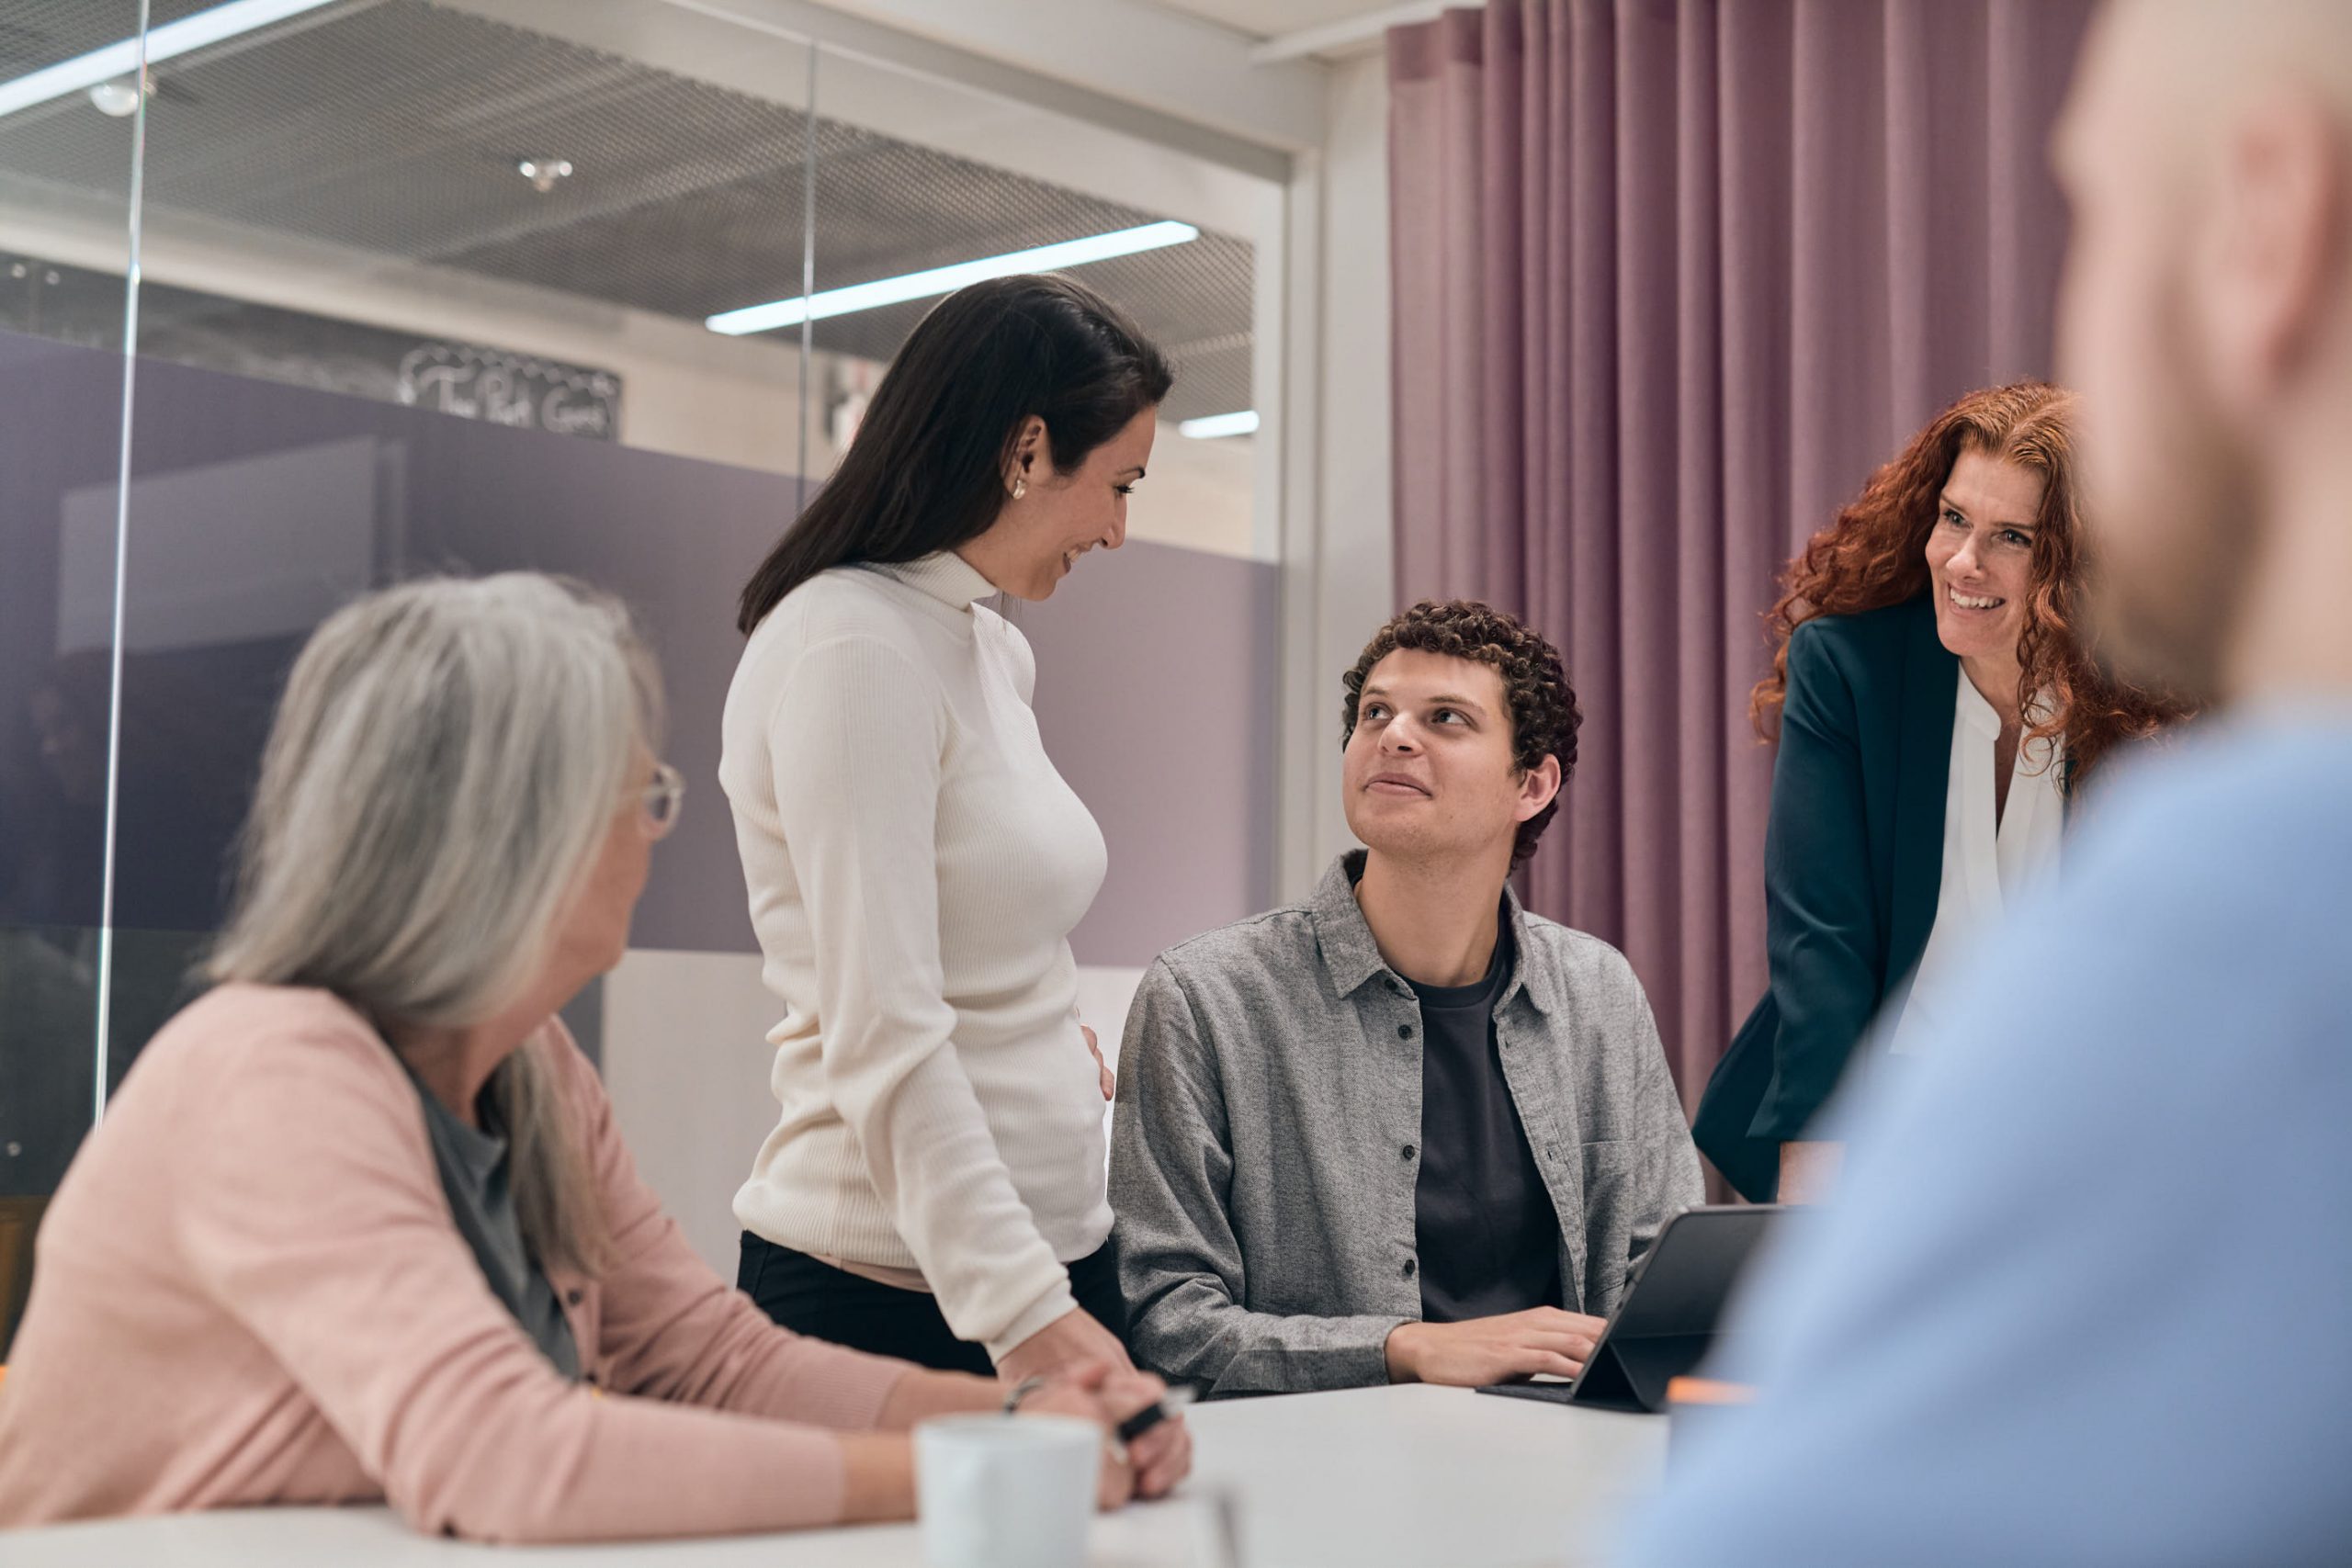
(1409, 1268)
(1409, 1151)
(1403, 1032)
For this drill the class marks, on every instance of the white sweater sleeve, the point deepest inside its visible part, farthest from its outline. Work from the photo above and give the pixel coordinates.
(855, 739)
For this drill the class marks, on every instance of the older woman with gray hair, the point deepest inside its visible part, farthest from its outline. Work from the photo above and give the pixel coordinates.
(358, 1225)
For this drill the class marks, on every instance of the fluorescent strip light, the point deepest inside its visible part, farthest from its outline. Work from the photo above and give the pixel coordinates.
(86, 71)
(1211, 426)
(947, 279)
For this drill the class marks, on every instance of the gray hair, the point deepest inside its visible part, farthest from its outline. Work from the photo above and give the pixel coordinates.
(444, 763)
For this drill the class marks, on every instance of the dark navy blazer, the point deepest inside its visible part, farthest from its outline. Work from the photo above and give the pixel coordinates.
(1853, 861)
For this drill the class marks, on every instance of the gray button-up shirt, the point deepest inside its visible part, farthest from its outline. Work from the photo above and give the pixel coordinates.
(1264, 1145)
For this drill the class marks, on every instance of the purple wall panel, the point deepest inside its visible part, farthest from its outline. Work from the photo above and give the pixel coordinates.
(1156, 699)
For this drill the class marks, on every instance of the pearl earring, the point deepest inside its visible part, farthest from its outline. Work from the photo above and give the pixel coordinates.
(1019, 489)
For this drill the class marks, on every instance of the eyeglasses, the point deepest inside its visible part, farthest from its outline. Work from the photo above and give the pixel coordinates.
(663, 799)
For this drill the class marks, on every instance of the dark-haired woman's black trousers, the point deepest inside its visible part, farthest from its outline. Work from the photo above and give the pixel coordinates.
(814, 1298)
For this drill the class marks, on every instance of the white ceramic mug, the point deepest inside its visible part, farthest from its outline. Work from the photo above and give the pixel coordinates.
(998, 1492)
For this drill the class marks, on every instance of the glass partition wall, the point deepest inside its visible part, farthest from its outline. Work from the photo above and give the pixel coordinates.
(448, 285)
(68, 164)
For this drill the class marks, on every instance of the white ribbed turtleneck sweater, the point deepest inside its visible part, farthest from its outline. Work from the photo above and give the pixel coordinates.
(915, 867)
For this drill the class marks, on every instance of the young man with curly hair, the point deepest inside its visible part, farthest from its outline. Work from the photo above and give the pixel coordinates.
(1405, 1131)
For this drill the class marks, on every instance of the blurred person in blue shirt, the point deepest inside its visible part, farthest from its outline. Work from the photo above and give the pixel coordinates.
(2085, 1296)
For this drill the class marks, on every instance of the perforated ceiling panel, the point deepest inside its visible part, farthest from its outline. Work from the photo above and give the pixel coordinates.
(394, 126)
(37, 33)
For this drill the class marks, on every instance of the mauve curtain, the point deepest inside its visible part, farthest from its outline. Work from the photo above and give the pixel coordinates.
(1670, 279)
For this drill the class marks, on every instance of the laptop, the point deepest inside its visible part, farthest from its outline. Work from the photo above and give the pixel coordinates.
(1666, 1322)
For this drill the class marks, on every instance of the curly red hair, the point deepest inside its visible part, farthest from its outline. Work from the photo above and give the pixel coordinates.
(1874, 555)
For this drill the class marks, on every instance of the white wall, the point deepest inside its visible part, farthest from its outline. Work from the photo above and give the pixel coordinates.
(1199, 494)
(686, 1062)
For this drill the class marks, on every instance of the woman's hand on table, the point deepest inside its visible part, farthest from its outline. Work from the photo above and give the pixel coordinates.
(1148, 1467)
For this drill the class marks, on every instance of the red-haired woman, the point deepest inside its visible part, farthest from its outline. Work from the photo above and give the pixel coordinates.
(1936, 711)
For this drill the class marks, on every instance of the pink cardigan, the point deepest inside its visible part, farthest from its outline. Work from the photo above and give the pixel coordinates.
(250, 1290)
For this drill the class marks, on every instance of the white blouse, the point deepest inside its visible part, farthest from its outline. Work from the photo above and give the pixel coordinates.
(1984, 866)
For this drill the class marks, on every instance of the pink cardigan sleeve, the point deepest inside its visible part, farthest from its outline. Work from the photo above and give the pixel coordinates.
(309, 1211)
(674, 1330)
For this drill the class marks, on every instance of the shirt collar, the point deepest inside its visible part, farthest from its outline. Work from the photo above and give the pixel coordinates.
(478, 1149)
(1981, 716)
(1975, 712)
(1351, 956)
(944, 576)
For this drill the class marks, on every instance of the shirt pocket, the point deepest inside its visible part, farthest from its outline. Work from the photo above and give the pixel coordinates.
(1612, 1169)
(1616, 1174)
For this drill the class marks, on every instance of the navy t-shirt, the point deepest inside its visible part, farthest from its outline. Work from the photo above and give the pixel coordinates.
(1488, 1240)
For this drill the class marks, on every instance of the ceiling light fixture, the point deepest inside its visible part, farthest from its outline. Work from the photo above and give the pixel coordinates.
(543, 173)
(1210, 427)
(122, 60)
(947, 279)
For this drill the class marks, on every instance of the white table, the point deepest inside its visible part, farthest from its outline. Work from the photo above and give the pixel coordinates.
(1425, 1477)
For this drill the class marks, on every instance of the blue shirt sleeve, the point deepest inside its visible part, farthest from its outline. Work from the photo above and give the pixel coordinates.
(2086, 1297)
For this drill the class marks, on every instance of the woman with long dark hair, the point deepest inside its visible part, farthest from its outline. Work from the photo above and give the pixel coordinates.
(1936, 711)
(934, 1186)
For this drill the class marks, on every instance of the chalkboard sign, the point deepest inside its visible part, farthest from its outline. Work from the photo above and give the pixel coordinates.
(505, 389)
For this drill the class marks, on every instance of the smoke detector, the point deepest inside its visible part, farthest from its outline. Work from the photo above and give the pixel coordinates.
(543, 173)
